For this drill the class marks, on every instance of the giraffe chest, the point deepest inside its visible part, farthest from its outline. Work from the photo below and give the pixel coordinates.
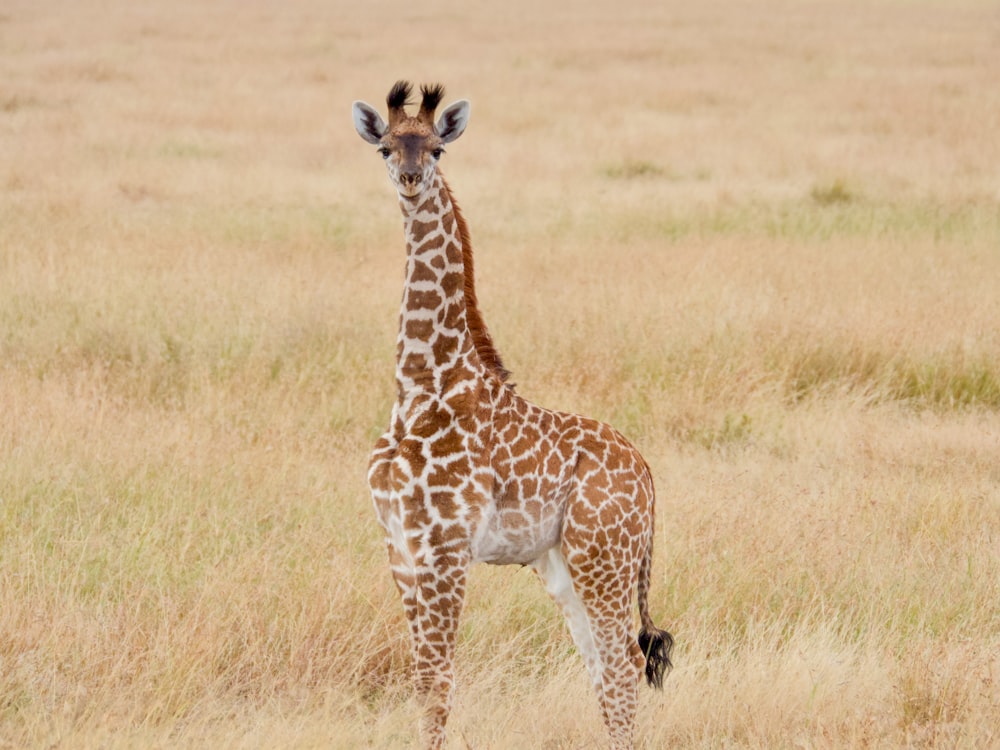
(495, 477)
(428, 481)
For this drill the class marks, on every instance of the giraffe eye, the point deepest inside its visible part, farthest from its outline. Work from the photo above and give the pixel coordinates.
(385, 152)
(436, 153)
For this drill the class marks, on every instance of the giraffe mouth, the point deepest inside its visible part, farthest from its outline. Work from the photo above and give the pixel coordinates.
(411, 197)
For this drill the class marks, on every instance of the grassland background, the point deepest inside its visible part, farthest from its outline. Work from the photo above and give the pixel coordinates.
(763, 239)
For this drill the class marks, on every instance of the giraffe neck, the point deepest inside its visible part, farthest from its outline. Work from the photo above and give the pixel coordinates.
(435, 350)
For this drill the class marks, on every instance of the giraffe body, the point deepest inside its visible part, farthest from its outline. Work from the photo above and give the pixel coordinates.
(469, 471)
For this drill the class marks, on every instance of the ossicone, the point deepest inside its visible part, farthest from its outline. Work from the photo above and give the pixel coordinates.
(432, 95)
(398, 98)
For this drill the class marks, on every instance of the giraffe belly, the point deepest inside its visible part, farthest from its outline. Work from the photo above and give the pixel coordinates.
(515, 536)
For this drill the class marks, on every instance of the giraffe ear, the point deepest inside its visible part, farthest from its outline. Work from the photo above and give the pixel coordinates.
(368, 122)
(452, 121)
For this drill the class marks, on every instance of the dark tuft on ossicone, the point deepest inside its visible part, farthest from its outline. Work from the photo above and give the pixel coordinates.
(433, 93)
(399, 95)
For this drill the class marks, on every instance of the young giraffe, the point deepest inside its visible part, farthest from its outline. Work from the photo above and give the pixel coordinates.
(471, 472)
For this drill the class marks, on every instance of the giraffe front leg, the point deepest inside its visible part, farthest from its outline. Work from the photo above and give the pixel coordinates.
(433, 594)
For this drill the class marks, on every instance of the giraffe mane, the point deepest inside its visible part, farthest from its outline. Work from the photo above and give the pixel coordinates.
(481, 338)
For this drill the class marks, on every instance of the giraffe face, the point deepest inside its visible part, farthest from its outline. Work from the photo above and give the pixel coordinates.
(411, 152)
(411, 146)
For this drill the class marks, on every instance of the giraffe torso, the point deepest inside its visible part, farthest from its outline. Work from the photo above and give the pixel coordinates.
(504, 477)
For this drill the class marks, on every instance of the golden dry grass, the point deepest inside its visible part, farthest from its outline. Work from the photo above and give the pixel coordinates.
(763, 239)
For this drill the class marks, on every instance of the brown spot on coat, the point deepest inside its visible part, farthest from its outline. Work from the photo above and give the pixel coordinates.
(444, 503)
(410, 451)
(414, 364)
(422, 272)
(419, 329)
(453, 317)
(421, 229)
(451, 284)
(433, 243)
(445, 348)
(430, 422)
(449, 443)
(428, 299)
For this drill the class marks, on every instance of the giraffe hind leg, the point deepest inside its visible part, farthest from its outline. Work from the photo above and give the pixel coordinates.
(552, 569)
(603, 565)
(607, 601)
(603, 636)
(620, 676)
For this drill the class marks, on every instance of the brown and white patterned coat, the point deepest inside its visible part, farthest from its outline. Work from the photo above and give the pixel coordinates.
(469, 471)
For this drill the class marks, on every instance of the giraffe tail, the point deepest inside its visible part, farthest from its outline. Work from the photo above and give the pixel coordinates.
(656, 644)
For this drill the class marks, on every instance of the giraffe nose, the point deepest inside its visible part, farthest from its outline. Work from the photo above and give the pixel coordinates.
(411, 179)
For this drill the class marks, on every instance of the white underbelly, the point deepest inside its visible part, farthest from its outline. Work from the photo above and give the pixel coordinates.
(508, 538)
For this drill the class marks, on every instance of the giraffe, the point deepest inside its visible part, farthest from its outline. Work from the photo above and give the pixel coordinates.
(469, 471)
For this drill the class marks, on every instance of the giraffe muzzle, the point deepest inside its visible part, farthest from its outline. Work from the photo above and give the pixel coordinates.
(411, 179)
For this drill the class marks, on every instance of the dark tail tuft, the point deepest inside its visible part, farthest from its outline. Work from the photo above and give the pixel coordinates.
(656, 646)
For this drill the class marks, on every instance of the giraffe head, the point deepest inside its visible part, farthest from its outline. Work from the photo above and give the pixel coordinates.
(411, 146)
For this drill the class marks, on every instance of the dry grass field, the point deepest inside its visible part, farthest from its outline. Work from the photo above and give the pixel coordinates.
(762, 239)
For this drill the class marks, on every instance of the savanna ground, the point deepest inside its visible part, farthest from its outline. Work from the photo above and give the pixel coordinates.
(763, 239)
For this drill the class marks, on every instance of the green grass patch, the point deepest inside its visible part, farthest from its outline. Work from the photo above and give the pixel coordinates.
(831, 212)
(632, 169)
(939, 381)
(833, 193)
